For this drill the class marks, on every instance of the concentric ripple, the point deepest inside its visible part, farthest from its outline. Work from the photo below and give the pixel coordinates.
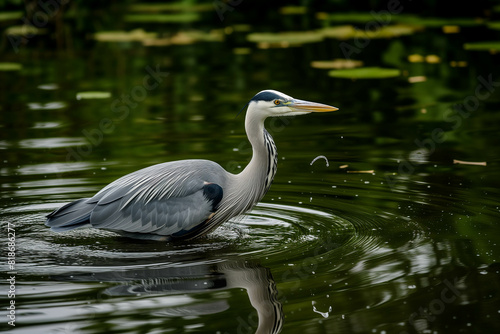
(272, 234)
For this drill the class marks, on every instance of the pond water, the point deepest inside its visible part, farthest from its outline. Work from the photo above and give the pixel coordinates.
(397, 232)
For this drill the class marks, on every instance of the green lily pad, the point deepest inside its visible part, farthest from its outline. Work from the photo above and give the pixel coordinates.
(174, 6)
(390, 31)
(395, 30)
(124, 36)
(24, 30)
(339, 32)
(493, 46)
(163, 18)
(494, 25)
(6, 16)
(10, 67)
(242, 51)
(365, 73)
(407, 19)
(293, 10)
(336, 63)
(351, 17)
(92, 95)
(436, 22)
(286, 38)
(199, 35)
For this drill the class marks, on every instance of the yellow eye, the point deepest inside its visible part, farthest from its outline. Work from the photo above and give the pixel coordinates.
(277, 102)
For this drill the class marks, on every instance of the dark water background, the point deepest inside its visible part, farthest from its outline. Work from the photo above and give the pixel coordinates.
(393, 235)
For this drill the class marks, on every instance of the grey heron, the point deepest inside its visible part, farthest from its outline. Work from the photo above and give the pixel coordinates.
(188, 198)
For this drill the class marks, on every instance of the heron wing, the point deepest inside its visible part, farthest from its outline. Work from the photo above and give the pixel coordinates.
(166, 199)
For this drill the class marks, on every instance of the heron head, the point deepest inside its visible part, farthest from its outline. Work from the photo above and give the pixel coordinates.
(270, 103)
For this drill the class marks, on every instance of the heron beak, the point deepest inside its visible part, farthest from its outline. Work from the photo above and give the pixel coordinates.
(306, 106)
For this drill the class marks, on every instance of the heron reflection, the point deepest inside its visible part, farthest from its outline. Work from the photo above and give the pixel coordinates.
(256, 280)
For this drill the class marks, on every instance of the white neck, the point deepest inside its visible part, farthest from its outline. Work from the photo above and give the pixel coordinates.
(262, 166)
(245, 189)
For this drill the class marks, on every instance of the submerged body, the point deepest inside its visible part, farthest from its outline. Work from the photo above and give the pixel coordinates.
(187, 198)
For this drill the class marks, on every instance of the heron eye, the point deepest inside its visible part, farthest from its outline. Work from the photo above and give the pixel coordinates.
(276, 102)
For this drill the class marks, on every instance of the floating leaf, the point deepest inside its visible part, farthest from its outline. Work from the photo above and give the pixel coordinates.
(390, 31)
(187, 37)
(432, 59)
(175, 6)
(418, 78)
(416, 58)
(49, 86)
(375, 19)
(6, 16)
(387, 31)
(354, 17)
(449, 29)
(396, 30)
(459, 63)
(24, 30)
(242, 51)
(10, 67)
(163, 18)
(293, 10)
(241, 27)
(493, 46)
(365, 73)
(91, 95)
(285, 39)
(339, 32)
(47, 106)
(124, 36)
(198, 35)
(336, 63)
(494, 25)
(436, 22)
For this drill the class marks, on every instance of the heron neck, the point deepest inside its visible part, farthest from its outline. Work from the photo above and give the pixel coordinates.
(260, 171)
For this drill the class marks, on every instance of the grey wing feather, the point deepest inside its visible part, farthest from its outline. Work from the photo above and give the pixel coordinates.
(164, 217)
(170, 179)
(70, 216)
(173, 198)
(163, 199)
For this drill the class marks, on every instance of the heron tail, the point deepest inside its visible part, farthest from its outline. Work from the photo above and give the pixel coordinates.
(72, 215)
